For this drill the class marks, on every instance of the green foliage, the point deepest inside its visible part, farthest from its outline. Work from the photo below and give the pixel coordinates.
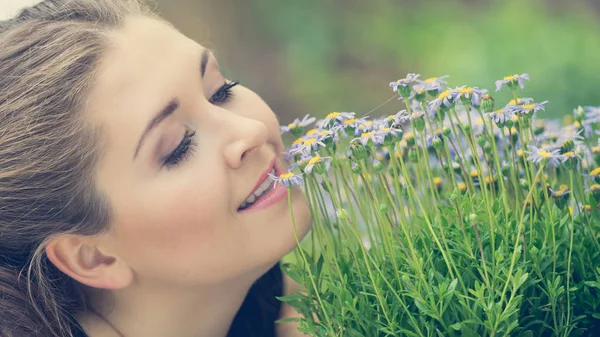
(473, 249)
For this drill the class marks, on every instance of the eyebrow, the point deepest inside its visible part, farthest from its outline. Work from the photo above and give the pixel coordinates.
(170, 108)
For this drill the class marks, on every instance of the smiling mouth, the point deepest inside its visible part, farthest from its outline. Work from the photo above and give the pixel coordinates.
(261, 188)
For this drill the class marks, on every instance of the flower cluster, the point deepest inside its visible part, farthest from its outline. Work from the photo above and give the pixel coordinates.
(450, 197)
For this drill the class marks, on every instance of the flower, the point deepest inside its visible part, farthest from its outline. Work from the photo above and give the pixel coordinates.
(434, 85)
(297, 124)
(400, 118)
(541, 155)
(373, 136)
(592, 114)
(307, 146)
(402, 86)
(335, 118)
(526, 109)
(469, 95)
(317, 163)
(500, 116)
(287, 180)
(512, 81)
(446, 98)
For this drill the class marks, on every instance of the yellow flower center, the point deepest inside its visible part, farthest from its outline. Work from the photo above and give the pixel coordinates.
(351, 120)
(543, 154)
(577, 124)
(444, 94)
(437, 180)
(332, 115)
(431, 79)
(298, 141)
(292, 125)
(499, 112)
(462, 187)
(595, 188)
(386, 130)
(489, 179)
(323, 133)
(513, 102)
(310, 141)
(312, 132)
(487, 96)
(409, 135)
(528, 106)
(595, 149)
(520, 153)
(365, 124)
(473, 174)
(367, 134)
(515, 118)
(570, 154)
(595, 172)
(286, 175)
(467, 90)
(314, 160)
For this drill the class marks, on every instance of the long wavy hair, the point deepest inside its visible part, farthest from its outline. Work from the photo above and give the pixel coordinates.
(48, 152)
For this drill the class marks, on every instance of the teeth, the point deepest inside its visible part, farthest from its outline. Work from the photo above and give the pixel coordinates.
(259, 191)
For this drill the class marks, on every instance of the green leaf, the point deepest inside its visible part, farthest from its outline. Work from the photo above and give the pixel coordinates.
(456, 326)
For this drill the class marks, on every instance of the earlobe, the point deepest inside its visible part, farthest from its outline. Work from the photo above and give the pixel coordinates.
(84, 261)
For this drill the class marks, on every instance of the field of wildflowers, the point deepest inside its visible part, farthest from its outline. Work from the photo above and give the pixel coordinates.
(457, 216)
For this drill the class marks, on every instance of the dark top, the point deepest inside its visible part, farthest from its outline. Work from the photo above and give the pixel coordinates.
(260, 309)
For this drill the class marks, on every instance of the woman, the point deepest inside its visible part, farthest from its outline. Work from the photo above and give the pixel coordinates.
(129, 169)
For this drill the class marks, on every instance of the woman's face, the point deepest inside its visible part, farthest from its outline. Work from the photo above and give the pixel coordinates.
(175, 196)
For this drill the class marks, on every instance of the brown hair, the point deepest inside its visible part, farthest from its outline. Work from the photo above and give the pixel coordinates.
(48, 152)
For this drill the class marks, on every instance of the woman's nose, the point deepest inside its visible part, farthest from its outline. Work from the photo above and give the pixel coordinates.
(247, 135)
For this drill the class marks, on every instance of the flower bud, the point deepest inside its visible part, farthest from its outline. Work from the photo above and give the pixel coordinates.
(419, 124)
(524, 184)
(342, 214)
(481, 140)
(420, 95)
(413, 156)
(467, 128)
(509, 123)
(355, 168)
(446, 131)
(437, 143)
(473, 217)
(568, 146)
(378, 166)
(487, 103)
(487, 148)
(579, 114)
(359, 151)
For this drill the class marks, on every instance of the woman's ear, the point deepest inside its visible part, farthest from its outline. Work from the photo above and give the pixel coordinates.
(84, 260)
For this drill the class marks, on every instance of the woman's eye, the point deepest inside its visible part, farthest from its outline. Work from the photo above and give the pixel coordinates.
(224, 94)
(183, 151)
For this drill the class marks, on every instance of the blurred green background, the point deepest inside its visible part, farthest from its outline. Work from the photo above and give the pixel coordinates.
(317, 56)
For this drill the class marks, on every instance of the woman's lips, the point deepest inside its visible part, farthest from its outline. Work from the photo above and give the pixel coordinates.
(273, 196)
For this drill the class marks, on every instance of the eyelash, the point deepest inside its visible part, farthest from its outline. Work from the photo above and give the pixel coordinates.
(188, 144)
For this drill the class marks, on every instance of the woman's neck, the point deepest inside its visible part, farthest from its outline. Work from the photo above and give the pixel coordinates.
(151, 311)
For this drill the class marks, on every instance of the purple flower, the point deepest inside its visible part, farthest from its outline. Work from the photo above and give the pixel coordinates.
(335, 118)
(287, 180)
(434, 83)
(526, 109)
(400, 118)
(540, 155)
(404, 82)
(373, 136)
(307, 146)
(469, 95)
(512, 81)
(297, 123)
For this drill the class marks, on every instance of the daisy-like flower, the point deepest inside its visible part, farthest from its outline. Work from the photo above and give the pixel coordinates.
(365, 137)
(595, 174)
(318, 164)
(297, 124)
(541, 155)
(447, 98)
(434, 85)
(365, 126)
(307, 146)
(400, 118)
(335, 118)
(592, 114)
(469, 95)
(526, 109)
(403, 86)
(287, 180)
(500, 116)
(512, 81)
(388, 134)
